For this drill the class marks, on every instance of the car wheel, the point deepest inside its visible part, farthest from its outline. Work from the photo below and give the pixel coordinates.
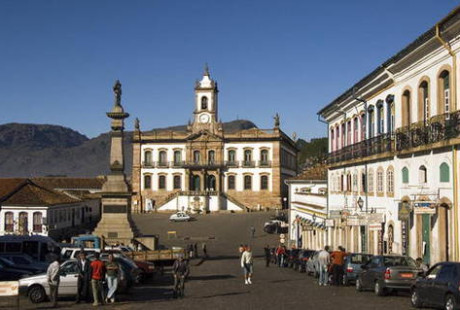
(415, 299)
(450, 303)
(37, 294)
(359, 286)
(378, 289)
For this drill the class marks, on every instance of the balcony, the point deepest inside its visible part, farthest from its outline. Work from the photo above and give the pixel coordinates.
(147, 164)
(176, 164)
(373, 146)
(203, 164)
(248, 163)
(232, 164)
(265, 163)
(162, 164)
(438, 128)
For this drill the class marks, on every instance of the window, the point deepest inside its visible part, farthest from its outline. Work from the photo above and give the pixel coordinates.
(371, 122)
(196, 157)
(264, 182)
(247, 158)
(390, 181)
(177, 158)
(370, 180)
(264, 156)
(9, 221)
(24, 223)
(349, 133)
(231, 182)
(204, 103)
(363, 182)
(342, 132)
(148, 158)
(422, 173)
(355, 182)
(177, 182)
(37, 222)
(362, 120)
(445, 92)
(444, 172)
(380, 180)
(405, 175)
(211, 157)
(231, 156)
(162, 182)
(247, 182)
(341, 183)
(392, 118)
(424, 103)
(380, 117)
(162, 158)
(406, 108)
(355, 130)
(147, 182)
(332, 141)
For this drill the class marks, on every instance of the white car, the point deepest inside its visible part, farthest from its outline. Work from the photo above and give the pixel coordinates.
(180, 217)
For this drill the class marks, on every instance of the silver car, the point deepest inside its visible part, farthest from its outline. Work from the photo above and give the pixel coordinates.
(37, 288)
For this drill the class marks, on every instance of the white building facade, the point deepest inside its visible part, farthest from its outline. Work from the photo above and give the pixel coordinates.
(393, 162)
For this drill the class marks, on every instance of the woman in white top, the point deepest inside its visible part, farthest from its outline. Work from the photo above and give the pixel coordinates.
(246, 264)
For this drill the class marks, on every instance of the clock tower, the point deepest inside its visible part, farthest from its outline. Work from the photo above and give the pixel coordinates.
(205, 114)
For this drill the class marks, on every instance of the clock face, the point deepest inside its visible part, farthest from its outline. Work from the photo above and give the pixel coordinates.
(204, 118)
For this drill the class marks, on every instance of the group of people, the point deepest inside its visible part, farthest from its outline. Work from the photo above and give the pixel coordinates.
(192, 250)
(89, 274)
(246, 261)
(331, 263)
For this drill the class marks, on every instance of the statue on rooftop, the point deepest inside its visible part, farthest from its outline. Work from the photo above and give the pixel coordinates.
(117, 92)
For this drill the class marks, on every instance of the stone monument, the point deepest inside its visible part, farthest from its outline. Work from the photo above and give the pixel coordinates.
(115, 224)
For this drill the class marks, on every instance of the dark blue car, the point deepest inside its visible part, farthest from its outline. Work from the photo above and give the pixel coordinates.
(352, 266)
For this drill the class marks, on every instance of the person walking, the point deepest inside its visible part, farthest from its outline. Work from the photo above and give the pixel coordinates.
(84, 278)
(112, 278)
(97, 275)
(195, 249)
(338, 260)
(324, 260)
(246, 264)
(267, 252)
(205, 251)
(52, 275)
(253, 231)
(180, 271)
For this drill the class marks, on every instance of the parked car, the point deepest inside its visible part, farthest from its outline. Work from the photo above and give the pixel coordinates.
(387, 272)
(28, 268)
(134, 274)
(25, 260)
(180, 217)
(439, 287)
(147, 269)
(72, 252)
(302, 259)
(312, 266)
(36, 287)
(276, 226)
(352, 266)
(10, 274)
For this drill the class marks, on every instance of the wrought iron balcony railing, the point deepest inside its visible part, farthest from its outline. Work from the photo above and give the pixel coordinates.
(248, 163)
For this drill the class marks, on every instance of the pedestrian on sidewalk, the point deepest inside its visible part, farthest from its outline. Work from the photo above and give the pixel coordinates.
(52, 275)
(246, 264)
(267, 252)
(195, 248)
(324, 260)
(280, 254)
(338, 260)
(112, 278)
(97, 275)
(84, 278)
(203, 248)
(253, 231)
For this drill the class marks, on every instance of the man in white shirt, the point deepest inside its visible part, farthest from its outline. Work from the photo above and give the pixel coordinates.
(246, 264)
(324, 259)
(52, 275)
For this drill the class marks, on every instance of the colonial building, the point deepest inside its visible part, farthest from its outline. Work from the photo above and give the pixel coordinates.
(308, 208)
(393, 162)
(207, 169)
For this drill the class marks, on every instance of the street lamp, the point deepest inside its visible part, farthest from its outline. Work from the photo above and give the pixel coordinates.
(360, 203)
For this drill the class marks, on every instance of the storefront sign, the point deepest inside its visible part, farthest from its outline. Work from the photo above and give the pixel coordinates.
(404, 237)
(424, 208)
(329, 223)
(375, 227)
(353, 221)
(375, 218)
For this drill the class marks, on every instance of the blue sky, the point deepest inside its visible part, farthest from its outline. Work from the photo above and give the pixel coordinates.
(59, 59)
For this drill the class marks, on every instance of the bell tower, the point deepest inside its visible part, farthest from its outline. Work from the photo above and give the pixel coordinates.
(206, 104)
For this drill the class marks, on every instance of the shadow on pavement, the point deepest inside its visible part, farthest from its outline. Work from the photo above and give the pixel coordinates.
(222, 295)
(211, 277)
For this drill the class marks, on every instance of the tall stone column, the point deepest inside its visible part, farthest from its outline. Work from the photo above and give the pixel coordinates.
(115, 224)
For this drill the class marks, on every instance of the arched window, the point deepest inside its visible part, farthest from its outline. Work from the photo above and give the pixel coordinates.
(423, 102)
(247, 182)
(231, 156)
(162, 158)
(177, 182)
(204, 103)
(247, 158)
(390, 181)
(405, 175)
(390, 118)
(355, 130)
(370, 181)
(337, 138)
(9, 222)
(148, 158)
(371, 116)
(196, 183)
(211, 157)
(422, 175)
(231, 182)
(342, 133)
(444, 95)
(332, 140)
(162, 182)
(147, 181)
(196, 157)
(363, 182)
(177, 158)
(444, 172)
(380, 117)
(406, 108)
(37, 222)
(264, 157)
(264, 182)
(24, 223)
(355, 182)
(211, 183)
(349, 133)
(380, 180)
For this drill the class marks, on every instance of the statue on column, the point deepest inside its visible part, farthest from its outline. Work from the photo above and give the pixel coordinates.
(277, 120)
(117, 92)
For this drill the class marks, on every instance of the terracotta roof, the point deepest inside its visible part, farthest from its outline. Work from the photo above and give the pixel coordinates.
(317, 173)
(70, 183)
(29, 193)
(7, 186)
